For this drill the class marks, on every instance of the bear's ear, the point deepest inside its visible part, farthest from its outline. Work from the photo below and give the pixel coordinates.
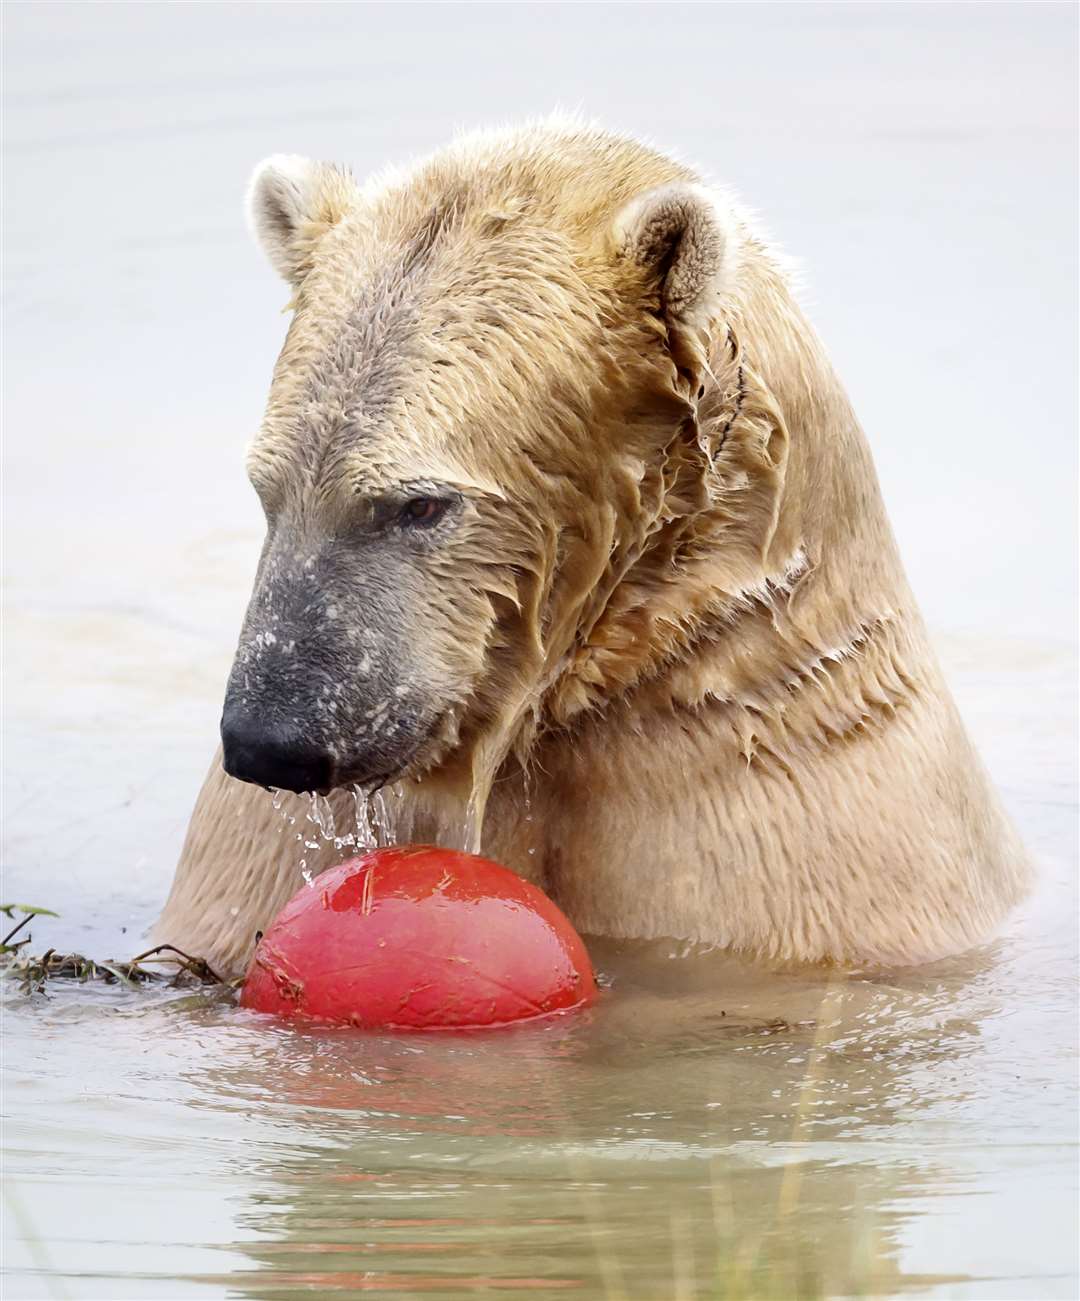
(291, 203)
(684, 246)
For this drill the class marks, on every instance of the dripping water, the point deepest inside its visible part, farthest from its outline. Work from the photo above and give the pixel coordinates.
(372, 824)
(528, 781)
(380, 818)
(473, 825)
(363, 836)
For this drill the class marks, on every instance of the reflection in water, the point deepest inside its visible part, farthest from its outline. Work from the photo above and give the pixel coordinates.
(668, 1139)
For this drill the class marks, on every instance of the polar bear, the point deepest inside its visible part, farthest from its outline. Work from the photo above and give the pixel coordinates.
(574, 542)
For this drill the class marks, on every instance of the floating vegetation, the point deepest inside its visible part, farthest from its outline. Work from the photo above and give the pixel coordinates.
(164, 965)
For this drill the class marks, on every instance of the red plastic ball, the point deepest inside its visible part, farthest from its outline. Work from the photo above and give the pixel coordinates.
(417, 937)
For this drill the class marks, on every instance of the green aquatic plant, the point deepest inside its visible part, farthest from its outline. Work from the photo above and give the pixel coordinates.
(30, 910)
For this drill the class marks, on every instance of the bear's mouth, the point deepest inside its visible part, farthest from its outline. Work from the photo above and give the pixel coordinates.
(425, 752)
(313, 766)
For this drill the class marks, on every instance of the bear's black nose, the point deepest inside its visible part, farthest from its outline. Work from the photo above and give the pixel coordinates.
(270, 754)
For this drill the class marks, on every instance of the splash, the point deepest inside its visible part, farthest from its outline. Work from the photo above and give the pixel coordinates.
(372, 825)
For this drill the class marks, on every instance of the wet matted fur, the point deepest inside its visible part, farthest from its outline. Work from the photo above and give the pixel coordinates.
(662, 648)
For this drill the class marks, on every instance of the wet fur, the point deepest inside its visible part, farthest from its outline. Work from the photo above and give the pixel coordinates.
(676, 663)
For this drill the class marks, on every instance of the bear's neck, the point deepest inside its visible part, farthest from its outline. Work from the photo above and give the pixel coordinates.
(791, 559)
(760, 751)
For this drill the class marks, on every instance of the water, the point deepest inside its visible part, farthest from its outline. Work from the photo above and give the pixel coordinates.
(709, 1130)
(374, 824)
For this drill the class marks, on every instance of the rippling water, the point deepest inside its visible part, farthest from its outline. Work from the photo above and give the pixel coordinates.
(709, 1130)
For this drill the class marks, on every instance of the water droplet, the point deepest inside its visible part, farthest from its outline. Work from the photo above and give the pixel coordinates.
(364, 838)
(473, 825)
(380, 816)
(321, 813)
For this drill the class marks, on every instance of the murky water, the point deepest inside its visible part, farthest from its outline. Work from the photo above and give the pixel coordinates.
(708, 1130)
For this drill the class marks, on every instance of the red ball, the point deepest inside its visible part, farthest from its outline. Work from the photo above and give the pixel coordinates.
(419, 938)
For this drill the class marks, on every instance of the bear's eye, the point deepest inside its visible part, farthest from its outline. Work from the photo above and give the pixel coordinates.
(422, 511)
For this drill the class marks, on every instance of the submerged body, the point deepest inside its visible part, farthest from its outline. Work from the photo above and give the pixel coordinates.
(653, 642)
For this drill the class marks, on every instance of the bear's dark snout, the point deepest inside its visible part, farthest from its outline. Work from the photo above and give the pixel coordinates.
(272, 754)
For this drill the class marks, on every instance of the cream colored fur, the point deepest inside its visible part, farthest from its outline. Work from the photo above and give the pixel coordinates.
(693, 694)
